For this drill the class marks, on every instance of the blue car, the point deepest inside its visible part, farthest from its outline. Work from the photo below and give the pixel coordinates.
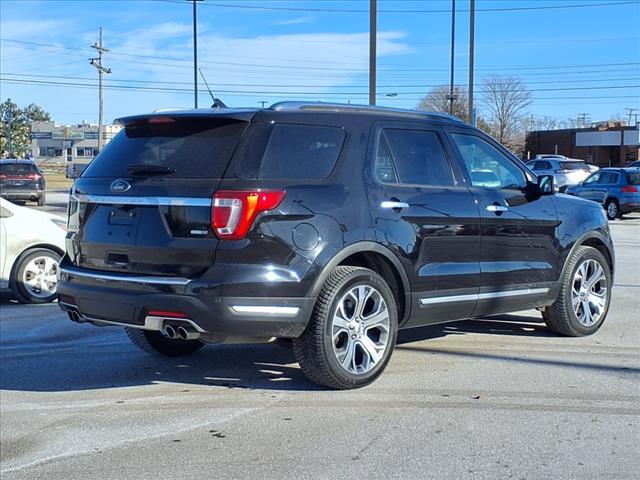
(617, 189)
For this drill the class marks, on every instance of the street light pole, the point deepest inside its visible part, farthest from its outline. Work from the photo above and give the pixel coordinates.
(372, 50)
(453, 49)
(195, 53)
(472, 24)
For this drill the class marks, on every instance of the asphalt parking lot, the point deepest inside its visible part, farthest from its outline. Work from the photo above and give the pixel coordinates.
(498, 397)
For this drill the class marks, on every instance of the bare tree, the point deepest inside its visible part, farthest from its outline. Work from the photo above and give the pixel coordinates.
(506, 99)
(437, 100)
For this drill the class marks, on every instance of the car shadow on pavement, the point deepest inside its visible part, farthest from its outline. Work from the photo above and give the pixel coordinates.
(60, 356)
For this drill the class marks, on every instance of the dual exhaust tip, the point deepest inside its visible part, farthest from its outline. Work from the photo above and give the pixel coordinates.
(182, 332)
(175, 332)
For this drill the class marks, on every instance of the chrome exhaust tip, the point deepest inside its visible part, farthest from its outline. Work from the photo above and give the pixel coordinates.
(74, 316)
(187, 333)
(169, 331)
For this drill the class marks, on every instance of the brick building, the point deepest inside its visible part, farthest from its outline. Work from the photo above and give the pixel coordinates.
(605, 144)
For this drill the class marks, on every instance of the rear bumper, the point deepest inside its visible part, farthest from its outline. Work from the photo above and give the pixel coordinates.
(126, 300)
(21, 194)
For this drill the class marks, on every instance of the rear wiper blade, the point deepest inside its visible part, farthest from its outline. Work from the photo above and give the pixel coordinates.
(146, 169)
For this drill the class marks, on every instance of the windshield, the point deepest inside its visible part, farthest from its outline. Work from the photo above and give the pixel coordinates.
(193, 147)
(574, 166)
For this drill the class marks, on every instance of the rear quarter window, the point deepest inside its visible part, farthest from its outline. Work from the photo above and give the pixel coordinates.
(633, 178)
(301, 152)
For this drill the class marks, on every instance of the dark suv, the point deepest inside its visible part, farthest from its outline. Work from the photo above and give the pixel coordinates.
(22, 180)
(332, 225)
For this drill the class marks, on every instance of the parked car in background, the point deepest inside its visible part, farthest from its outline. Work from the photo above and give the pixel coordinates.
(634, 164)
(617, 189)
(333, 225)
(592, 167)
(31, 245)
(565, 171)
(22, 180)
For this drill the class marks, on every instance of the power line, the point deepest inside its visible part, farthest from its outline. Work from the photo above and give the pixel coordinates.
(301, 67)
(416, 85)
(336, 10)
(267, 92)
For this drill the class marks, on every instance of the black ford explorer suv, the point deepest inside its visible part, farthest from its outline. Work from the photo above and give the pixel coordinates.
(332, 225)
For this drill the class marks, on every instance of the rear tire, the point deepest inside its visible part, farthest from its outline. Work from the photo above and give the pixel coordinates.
(157, 344)
(613, 209)
(585, 295)
(42, 200)
(352, 332)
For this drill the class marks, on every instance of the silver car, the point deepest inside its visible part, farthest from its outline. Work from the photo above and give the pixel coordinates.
(565, 171)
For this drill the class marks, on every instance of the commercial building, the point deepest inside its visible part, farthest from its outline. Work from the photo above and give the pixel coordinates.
(67, 143)
(603, 144)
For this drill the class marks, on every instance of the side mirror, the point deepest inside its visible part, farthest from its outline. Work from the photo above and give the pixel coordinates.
(545, 185)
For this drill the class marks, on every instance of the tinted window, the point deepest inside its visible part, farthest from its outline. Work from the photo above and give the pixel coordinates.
(301, 152)
(193, 147)
(385, 170)
(609, 178)
(633, 178)
(486, 165)
(17, 169)
(540, 165)
(574, 166)
(413, 157)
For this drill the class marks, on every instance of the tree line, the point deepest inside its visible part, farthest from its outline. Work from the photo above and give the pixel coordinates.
(15, 128)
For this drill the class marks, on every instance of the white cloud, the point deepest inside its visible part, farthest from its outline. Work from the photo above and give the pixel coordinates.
(297, 20)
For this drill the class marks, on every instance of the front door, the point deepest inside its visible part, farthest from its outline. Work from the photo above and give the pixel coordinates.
(519, 258)
(423, 211)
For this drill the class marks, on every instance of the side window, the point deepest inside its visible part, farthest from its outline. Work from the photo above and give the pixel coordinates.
(385, 170)
(545, 166)
(486, 165)
(412, 157)
(609, 178)
(592, 179)
(4, 213)
(301, 152)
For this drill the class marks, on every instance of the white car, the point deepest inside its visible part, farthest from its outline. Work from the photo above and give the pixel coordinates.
(31, 245)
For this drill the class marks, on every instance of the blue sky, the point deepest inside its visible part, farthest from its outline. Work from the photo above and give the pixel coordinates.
(575, 59)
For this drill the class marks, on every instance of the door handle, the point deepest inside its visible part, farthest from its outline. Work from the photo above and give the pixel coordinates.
(394, 204)
(497, 208)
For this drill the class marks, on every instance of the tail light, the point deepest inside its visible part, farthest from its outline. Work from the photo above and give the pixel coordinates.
(629, 189)
(234, 211)
(3, 176)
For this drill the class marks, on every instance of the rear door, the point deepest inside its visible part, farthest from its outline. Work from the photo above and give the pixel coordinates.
(425, 214)
(519, 259)
(149, 192)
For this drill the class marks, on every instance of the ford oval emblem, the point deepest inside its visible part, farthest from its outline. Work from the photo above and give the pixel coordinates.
(120, 186)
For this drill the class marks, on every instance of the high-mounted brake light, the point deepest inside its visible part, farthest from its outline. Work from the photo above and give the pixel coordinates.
(233, 211)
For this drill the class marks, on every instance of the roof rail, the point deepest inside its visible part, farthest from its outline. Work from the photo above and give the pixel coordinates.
(352, 108)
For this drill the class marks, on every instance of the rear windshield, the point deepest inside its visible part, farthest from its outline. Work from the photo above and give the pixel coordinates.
(633, 178)
(17, 169)
(574, 165)
(193, 147)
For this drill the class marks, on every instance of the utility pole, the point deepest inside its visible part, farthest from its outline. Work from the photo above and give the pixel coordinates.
(373, 36)
(262, 104)
(195, 52)
(453, 49)
(472, 24)
(582, 119)
(97, 62)
(631, 112)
